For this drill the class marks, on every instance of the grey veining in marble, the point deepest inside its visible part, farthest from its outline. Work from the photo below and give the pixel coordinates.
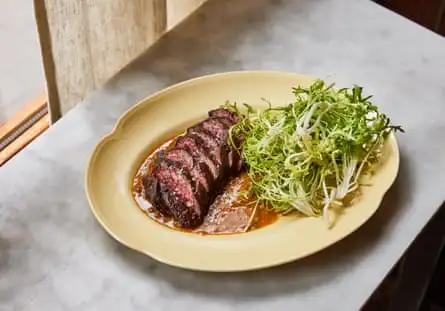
(55, 256)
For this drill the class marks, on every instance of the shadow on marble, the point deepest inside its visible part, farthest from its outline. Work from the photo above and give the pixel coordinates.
(321, 269)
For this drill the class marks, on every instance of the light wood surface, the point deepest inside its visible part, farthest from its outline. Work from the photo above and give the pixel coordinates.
(85, 42)
(15, 134)
(22, 116)
(177, 10)
(35, 130)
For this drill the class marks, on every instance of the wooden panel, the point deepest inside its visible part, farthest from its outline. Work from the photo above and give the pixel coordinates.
(85, 42)
(178, 10)
(21, 142)
(423, 12)
(121, 30)
(22, 116)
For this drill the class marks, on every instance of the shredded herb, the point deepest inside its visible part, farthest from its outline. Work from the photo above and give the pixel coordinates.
(309, 155)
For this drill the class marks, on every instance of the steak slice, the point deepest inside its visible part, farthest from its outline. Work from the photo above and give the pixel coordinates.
(195, 173)
(200, 157)
(224, 113)
(185, 159)
(225, 121)
(217, 128)
(177, 196)
(213, 134)
(236, 162)
(211, 147)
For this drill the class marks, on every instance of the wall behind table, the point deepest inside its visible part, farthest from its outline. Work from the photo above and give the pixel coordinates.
(85, 42)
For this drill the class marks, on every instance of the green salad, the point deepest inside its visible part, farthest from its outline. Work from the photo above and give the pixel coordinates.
(310, 155)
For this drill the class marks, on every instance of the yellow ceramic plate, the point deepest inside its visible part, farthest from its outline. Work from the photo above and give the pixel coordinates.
(117, 157)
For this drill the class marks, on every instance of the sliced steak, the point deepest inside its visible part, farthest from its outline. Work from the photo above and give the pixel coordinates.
(186, 179)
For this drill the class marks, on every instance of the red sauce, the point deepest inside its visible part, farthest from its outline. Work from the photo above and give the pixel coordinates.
(232, 211)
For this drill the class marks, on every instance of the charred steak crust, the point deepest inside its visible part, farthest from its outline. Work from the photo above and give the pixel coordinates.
(186, 179)
(152, 192)
(224, 113)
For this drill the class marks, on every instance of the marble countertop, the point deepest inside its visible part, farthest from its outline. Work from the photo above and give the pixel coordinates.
(55, 256)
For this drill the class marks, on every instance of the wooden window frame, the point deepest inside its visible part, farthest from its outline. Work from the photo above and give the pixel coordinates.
(23, 128)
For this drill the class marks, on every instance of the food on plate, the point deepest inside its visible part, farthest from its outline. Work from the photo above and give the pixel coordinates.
(186, 178)
(242, 167)
(230, 212)
(311, 154)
